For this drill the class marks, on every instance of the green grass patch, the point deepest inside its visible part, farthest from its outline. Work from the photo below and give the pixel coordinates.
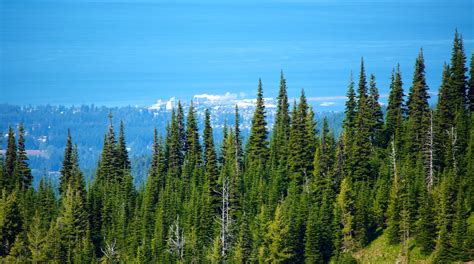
(380, 251)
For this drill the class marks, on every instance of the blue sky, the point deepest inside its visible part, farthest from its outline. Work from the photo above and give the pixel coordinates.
(135, 52)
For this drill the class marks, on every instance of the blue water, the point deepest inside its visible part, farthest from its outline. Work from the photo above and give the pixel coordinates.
(134, 52)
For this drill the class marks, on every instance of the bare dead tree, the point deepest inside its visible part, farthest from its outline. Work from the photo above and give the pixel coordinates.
(306, 181)
(393, 156)
(110, 252)
(176, 240)
(405, 228)
(429, 154)
(453, 138)
(225, 220)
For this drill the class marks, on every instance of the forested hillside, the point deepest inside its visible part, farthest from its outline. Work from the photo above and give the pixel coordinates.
(297, 194)
(45, 127)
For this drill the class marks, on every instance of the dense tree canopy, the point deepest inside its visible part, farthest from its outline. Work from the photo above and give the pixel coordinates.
(293, 195)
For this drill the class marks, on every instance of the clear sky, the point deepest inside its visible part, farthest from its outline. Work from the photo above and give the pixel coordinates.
(135, 52)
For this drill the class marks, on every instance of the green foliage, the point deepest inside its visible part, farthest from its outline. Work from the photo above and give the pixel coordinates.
(10, 160)
(11, 222)
(471, 85)
(418, 109)
(395, 109)
(277, 231)
(257, 149)
(377, 193)
(22, 172)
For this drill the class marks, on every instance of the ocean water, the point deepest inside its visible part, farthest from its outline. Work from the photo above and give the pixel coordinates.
(134, 52)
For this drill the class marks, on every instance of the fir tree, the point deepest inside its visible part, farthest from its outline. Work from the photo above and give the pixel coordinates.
(243, 247)
(394, 205)
(471, 85)
(210, 158)
(10, 161)
(395, 108)
(11, 222)
(458, 80)
(326, 218)
(275, 237)
(344, 217)
(155, 183)
(46, 203)
(281, 128)
(444, 218)
(418, 109)
(22, 171)
(257, 144)
(362, 88)
(375, 122)
(238, 142)
(425, 225)
(301, 152)
(360, 168)
(19, 251)
(324, 161)
(460, 226)
(122, 153)
(350, 111)
(66, 168)
(37, 239)
(312, 237)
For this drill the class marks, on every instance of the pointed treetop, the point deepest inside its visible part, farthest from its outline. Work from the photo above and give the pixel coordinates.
(110, 118)
(351, 104)
(257, 145)
(418, 97)
(362, 81)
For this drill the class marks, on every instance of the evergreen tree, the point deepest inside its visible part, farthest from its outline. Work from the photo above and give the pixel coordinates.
(394, 206)
(154, 184)
(11, 222)
(395, 109)
(425, 225)
(312, 239)
(344, 216)
(360, 168)
(46, 203)
(175, 142)
(281, 128)
(458, 80)
(257, 150)
(37, 239)
(238, 142)
(326, 219)
(375, 122)
(350, 111)
(22, 171)
(362, 88)
(243, 247)
(445, 216)
(19, 251)
(275, 237)
(66, 168)
(300, 143)
(72, 223)
(210, 159)
(324, 161)
(460, 226)
(122, 153)
(10, 161)
(471, 85)
(418, 109)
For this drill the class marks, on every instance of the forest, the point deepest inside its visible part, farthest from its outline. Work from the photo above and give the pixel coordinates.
(296, 195)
